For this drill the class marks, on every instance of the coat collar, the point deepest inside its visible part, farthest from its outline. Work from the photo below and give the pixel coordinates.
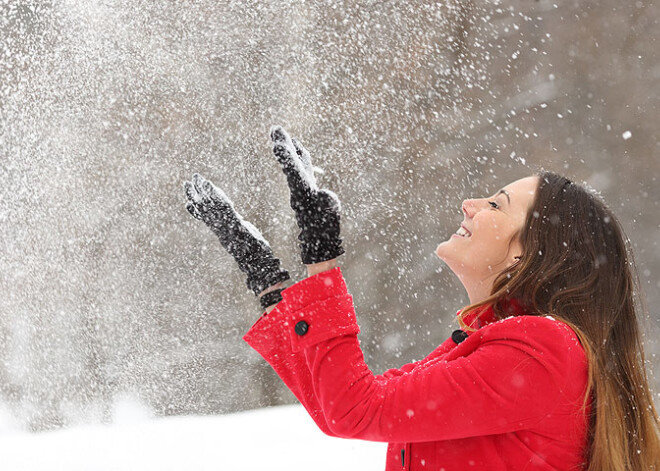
(485, 315)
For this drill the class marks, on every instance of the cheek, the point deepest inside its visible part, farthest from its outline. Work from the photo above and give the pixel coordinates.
(493, 233)
(487, 227)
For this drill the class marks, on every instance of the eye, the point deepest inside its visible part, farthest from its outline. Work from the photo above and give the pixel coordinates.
(494, 204)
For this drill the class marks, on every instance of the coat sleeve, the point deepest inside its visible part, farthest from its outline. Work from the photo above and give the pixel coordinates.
(510, 382)
(269, 339)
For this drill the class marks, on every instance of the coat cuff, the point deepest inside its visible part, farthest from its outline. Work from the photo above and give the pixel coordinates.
(313, 310)
(266, 334)
(319, 308)
(327, 284)
(322, 321)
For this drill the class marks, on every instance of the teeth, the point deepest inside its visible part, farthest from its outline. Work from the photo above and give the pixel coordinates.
(462, 232)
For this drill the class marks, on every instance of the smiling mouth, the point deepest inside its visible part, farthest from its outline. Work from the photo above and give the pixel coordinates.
(463, 232)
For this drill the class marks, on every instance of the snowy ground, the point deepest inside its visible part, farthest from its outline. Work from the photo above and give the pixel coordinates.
(278, 438)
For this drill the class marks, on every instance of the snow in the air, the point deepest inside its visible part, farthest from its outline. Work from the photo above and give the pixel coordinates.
(108, 286)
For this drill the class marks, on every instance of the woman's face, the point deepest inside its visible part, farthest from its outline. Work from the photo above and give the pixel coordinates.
(488, 242)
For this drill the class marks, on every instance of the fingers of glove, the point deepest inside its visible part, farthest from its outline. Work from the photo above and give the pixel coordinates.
(278, 134)
(193, 210)
(283, 147)
(285, 152)
(192, 194)
(207, 190)
(209, 197)
(328, 200)
(218, 198)
(305, 159)
(198, 181)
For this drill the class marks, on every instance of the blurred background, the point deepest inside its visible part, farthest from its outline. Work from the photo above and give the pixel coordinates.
(109, 289)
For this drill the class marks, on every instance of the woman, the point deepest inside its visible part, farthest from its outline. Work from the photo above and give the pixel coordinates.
(547, 372)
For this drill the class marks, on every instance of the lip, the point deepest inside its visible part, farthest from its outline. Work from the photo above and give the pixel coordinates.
(463, 237)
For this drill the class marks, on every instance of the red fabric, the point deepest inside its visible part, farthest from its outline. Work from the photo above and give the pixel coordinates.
(507, 398)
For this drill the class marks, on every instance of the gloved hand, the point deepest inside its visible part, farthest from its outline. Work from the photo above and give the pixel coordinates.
(241, 239)
(317, 210)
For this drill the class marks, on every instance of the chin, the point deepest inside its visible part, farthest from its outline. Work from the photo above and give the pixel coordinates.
(444, 251)
(451, 258)
(439, 252)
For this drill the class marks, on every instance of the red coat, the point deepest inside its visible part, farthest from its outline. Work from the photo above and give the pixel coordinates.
(506, 398)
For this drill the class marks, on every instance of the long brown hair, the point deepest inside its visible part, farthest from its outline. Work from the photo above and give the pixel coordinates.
(577, 265)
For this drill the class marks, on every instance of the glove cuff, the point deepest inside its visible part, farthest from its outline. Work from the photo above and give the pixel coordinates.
(271, 298)
(261, 280)
(312, 253)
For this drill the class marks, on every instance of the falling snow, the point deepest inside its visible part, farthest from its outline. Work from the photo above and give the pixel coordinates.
(111, 290)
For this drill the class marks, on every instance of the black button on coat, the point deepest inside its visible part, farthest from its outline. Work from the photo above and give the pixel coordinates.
(301, 328)
(458, 336)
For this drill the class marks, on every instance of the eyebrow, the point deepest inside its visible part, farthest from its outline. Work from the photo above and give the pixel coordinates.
(506, 193)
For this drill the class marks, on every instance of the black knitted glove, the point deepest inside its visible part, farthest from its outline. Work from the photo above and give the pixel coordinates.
(317, 210)
(241, 239)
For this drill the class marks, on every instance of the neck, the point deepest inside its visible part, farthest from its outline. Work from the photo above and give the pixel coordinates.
(477, 290)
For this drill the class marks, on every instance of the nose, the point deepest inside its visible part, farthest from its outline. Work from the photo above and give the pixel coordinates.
(473, 206)
(468, 208)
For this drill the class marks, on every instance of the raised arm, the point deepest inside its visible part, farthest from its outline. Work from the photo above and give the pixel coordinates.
(240, 238)
(265, 278)
(317, 215)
